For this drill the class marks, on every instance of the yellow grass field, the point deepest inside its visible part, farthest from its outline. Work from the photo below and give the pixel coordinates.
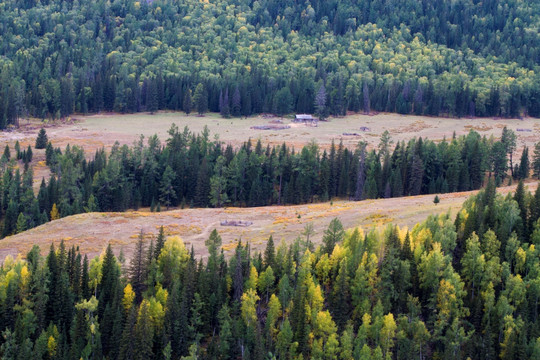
(103, 130)
(92, 232)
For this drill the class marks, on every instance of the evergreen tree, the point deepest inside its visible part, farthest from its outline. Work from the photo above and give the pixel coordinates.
(202, 190)
(7, 153)
(42, 140)
(18, 150)
(320, 103)
(152, 96)
(236, 103)
(499, 162)
(160, 242)
(144, 333)
(127, 350)
(524, 164)
(508, 139)
(22, 223)
(187, 103)
(269, 253)
(167, 194)
(536, 161)
(200, 99)
(218, 183)
(283, 102)
(108, 288)
(224, 107)
(332, 235)
(137, 270)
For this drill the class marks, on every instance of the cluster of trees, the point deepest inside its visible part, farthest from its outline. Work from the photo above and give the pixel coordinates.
(457, 58)
(192, 170)
(468, 288)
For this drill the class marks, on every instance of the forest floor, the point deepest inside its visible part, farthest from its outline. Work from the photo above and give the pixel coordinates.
(91, 232)
(103, 130)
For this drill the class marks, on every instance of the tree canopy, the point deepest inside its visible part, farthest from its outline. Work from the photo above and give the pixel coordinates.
(457, 58)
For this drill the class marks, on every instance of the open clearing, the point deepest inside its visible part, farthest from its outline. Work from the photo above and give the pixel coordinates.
(93, 231)
(97, 131)
(104, 130)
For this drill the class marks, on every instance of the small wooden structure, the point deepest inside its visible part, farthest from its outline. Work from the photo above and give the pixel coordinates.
(304, 118)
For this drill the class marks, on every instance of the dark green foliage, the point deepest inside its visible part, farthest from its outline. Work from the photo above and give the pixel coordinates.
(499, 162)
(200, 99)
(42, 140)
(333, 235)
(7, 153)
(283, 102)
(160, 241)
(102, 67)
(524, 169)
(138, 268)
(387, 294)
(191, 169)
(187, 103)
(269, 253)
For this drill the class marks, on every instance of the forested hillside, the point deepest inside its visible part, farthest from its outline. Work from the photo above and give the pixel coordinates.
(446, 289)
(190, 170)
(456, 58)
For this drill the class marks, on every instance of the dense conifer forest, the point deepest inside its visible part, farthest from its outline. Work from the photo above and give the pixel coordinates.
(449, 288)
(190, 170)
(240, 57)
(456, 286)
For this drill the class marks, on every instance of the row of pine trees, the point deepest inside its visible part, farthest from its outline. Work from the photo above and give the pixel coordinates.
(190, 170)
(446, 289)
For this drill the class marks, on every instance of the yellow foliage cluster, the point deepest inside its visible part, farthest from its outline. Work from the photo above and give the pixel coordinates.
(482, 127)
(229, 247)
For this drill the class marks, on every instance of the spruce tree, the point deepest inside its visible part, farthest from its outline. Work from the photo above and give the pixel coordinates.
(137, 268)
(332, 235)
(236, 103)
(187, 103)
(144, 334)
(524, 164)
(108, 288)
(167, 194)
(320, 103)
(127, 350)
(18, 150)
(160, 242)
(7, 153)
(22, 223)
(508, 139)
(536, 161)
(202, 190)
(200, 99)
(270, 253)
(42, 140)
(152, 96)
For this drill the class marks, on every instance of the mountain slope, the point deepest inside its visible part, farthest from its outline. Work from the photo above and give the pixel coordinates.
(449, 57)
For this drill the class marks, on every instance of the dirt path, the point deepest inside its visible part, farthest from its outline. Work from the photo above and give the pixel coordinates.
(92, 232)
